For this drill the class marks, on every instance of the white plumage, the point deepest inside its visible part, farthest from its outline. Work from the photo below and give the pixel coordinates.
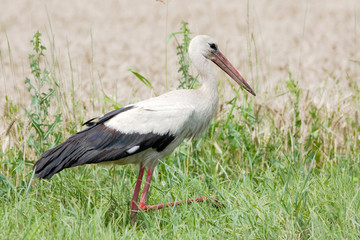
(147, 131)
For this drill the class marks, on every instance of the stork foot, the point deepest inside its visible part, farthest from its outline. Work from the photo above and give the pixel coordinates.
(144, 207)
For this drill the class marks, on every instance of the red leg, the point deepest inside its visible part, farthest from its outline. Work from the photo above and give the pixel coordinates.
(134, 207)
(145, 192)
(142, 205)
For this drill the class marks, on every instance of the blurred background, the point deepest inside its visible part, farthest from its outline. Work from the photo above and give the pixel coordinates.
(92, 44)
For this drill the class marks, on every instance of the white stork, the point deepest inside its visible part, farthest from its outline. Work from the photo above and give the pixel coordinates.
(145, 132)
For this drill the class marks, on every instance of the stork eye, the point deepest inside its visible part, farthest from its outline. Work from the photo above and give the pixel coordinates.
(213, 46)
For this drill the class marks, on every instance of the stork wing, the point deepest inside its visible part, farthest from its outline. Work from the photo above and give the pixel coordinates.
(158, 118)
(117, 134)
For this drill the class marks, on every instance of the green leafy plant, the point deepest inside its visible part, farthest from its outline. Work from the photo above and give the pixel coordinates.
(187, 80)
(294, 89)
(43, 134)
(143, 79)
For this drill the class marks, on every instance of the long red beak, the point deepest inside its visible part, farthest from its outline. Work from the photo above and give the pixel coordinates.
(227, 67)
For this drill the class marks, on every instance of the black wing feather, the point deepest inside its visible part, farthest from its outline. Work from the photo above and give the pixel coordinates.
(95, 144)
(106, 116)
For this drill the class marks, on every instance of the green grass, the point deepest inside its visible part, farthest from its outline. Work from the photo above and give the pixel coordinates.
(291, 173)
(283, 200)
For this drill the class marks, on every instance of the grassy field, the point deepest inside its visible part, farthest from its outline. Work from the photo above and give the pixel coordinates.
(281, 174)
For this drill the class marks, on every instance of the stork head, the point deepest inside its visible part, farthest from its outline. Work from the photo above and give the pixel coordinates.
(205, 46)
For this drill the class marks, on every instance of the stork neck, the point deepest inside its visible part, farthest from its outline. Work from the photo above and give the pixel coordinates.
(208, 81)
